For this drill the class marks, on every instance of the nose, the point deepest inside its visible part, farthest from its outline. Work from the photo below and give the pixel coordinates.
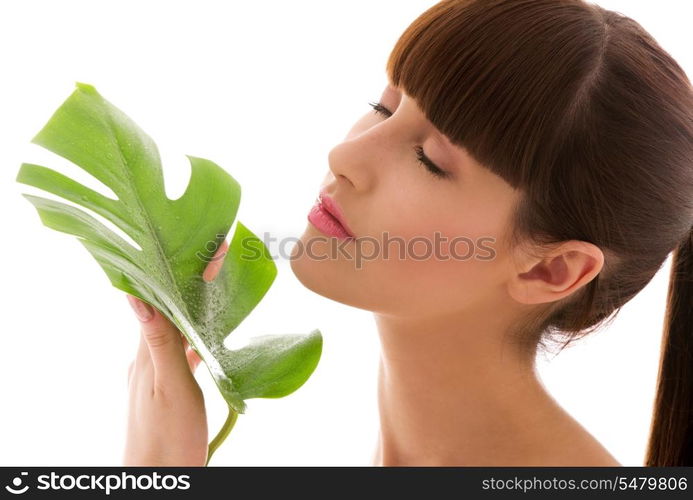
(355, 160)
(342, 166)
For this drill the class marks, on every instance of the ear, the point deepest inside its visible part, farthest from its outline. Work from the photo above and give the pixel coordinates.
(558, 274)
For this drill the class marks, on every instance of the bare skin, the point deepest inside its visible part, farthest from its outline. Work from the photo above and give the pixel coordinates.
(445, 403)
(451, 389)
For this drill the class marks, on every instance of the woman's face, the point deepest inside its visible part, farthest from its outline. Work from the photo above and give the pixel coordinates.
(444, 233)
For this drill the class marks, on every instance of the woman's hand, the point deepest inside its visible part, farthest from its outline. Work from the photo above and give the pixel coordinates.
(167, 422)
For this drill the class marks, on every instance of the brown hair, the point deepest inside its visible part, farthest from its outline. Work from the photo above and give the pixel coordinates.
(583, 111)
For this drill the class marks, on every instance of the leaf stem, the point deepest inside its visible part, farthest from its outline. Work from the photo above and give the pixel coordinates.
(222, 434)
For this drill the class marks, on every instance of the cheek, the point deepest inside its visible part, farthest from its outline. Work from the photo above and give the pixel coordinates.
(430, 273)
(434, 261)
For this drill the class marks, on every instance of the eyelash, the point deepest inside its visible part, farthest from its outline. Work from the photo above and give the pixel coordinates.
(421, 156)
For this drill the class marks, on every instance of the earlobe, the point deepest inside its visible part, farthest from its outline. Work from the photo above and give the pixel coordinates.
(560, 273)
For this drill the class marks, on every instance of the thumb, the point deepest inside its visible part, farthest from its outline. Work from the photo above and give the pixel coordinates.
(163, 340)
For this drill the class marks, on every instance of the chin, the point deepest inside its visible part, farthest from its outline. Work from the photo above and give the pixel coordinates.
(333, 278)
(301, 267)
(313, 273)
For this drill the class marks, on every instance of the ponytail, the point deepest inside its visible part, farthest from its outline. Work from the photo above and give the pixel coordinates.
(671, 436)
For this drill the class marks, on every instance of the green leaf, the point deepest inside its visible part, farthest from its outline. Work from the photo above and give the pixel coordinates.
(177, 239)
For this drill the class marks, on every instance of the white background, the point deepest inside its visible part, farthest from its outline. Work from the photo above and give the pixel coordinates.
(264, 89)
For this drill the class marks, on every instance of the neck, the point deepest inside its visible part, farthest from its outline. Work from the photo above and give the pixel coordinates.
(452, 392)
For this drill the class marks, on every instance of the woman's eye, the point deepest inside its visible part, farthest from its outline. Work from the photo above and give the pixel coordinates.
(430, 166)
(420, 155)
(380, 109)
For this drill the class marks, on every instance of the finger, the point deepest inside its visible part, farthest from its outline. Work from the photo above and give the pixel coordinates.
(186, 344)
(144, 359)
(190, 353)
(216, 263)
(193, 359)
(143, 372)
(163, 341)
(141, 368)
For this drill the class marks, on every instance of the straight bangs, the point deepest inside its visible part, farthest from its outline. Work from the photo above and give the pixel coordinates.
(506, 81)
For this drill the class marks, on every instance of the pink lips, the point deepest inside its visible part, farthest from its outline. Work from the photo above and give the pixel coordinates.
(327, 217)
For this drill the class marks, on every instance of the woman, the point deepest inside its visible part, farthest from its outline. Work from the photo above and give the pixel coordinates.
(554, 139)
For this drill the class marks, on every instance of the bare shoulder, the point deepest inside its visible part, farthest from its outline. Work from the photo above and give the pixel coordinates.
(566, 443)
(581, 455)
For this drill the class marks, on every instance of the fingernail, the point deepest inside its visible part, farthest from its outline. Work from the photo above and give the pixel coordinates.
(143, 311)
